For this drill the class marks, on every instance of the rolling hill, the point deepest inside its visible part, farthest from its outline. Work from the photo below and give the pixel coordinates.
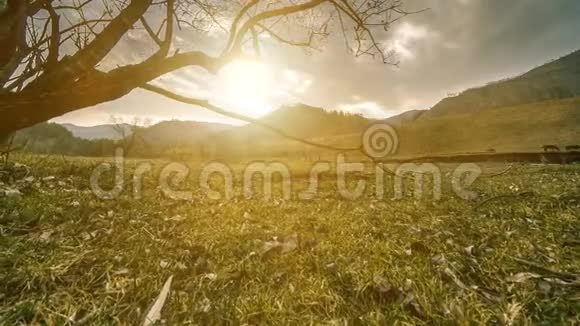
(555, 80)
(301, 121)
(405, 118)
(519, 128)
(107, 131)
(181, 133)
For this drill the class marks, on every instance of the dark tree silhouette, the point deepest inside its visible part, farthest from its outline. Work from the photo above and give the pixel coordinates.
(51, 51)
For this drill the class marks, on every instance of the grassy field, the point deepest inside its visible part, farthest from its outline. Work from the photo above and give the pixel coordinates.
(510, 257)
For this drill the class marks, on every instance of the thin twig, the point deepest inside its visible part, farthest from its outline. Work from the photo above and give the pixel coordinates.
(505, 171)
(520, 194)
(561, 275)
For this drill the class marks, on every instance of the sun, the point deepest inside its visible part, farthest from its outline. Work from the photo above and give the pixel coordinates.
(247, 87)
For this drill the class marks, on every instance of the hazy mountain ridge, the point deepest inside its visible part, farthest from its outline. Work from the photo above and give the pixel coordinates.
(520, 128)
(301, 120)
(522, 113)
(181, 133)
(106, 131)
(558, 79)
(52, 138)
(405, 118)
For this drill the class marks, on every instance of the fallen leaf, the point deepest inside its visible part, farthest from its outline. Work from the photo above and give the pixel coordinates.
(438, 260)
(178, 218)
(290, 244)
(490, 295)
(154, 314)
(271, 248)
(469, 250)
(413, 306)
(383, 291)
(45, 236)
(205, 305)
(122, 271)
(332, 267)
(408, 285)
(12, 193)
(210, 276)
(544, 287)
(451, 275)
(276, 246)
(522, 277)
(511, 313)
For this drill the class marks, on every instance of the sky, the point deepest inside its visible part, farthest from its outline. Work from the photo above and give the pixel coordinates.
(452, 46)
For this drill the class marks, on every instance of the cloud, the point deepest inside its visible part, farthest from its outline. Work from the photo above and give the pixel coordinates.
(450, 47)
(405, 37)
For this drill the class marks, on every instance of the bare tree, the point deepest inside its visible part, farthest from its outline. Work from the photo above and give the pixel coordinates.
(7, 147)
(129, 132)
(52, 51)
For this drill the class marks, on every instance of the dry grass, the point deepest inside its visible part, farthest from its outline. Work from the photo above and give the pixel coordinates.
(67, 257)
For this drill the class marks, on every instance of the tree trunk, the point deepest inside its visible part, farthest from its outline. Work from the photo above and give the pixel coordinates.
(28, 108)
(12, 37)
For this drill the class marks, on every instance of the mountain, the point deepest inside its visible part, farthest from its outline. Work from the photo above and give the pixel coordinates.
(107, 131)
(181, 133)
(52, 138)
(175, 139)
(180, 137)
(302, 121)
(525, 127)
(164, 138)
(540, 107)
(555, 80)
(306, 121)
(404, 118)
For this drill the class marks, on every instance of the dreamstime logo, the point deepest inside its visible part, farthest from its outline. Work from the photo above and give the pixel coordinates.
(380, 140)
(172, 178)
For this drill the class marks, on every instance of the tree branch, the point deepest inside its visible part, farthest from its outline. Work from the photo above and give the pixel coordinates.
(89, 56)
(239, 37)
(205, 104)
(53, 52)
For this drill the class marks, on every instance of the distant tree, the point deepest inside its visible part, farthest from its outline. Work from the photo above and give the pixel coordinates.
(129, 132)
(52, 138)
(52, 51)
(6, 148)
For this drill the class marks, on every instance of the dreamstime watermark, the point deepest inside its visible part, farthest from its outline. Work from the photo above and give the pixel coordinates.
(378, 142)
